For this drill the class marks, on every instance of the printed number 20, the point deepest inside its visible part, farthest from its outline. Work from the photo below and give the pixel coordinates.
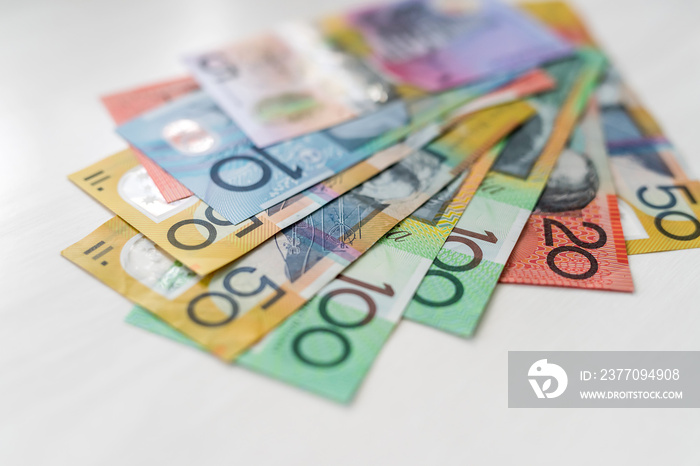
(580, 248)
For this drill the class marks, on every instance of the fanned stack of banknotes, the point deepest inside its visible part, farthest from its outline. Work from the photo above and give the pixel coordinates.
(313, 185)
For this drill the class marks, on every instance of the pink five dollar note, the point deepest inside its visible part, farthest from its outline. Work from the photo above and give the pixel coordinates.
(123, 106)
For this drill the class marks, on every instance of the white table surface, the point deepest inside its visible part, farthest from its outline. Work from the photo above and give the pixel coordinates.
(80, 387)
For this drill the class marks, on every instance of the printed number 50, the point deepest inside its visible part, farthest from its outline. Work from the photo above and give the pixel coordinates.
(672, 201)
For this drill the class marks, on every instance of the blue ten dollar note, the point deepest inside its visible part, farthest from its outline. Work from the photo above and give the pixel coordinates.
(192, 139)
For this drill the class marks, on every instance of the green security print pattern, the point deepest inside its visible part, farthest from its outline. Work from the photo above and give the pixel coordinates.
(459, 284)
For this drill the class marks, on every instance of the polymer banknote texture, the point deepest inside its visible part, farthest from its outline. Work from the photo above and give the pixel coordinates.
(230, 310)
(203, 240)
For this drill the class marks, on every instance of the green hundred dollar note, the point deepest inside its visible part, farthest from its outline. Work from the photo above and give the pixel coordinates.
(230, 310)
(459, 284)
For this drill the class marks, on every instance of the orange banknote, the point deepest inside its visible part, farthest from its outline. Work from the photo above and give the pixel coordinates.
(574, 236)
(123, 106)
